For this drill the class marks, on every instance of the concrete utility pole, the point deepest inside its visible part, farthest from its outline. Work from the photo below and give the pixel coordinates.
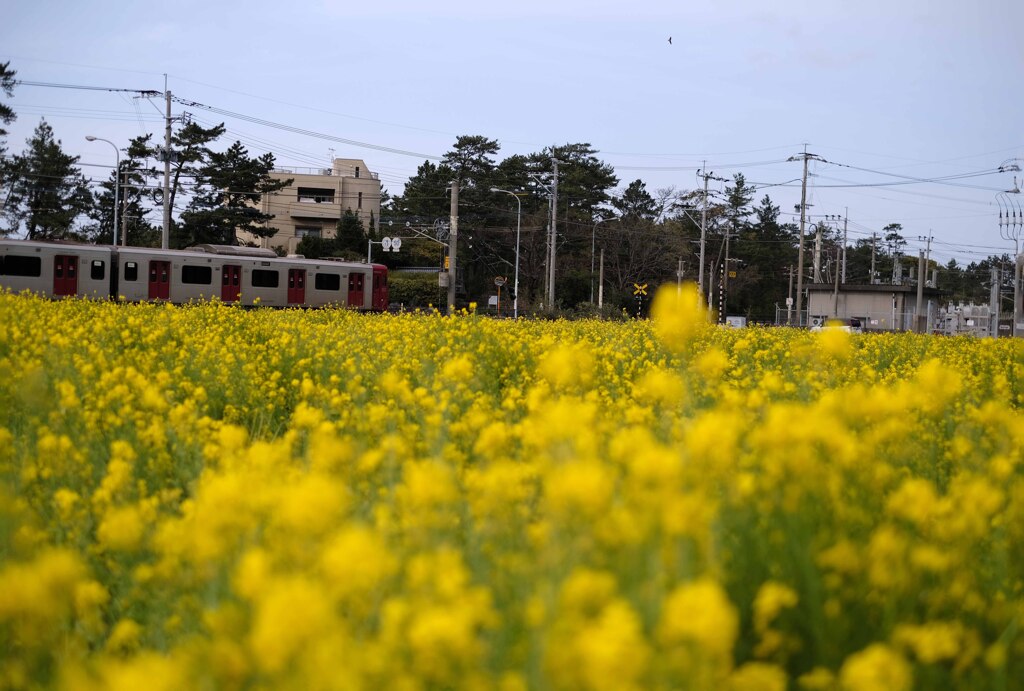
(803, 217)
(919, 324)
(600, 283)
(703, 173)
(453, 243)
(835, 296)
(1017, 272)
(553, 234)
(817, 252)
(846, 217)
(165, 238)
(871, 280)
(993, 301)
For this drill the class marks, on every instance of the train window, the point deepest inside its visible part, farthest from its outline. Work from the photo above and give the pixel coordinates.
(17, 265)
(131, 271)
(99, 270)
(202, 275)
(327, 282)
(263, 278)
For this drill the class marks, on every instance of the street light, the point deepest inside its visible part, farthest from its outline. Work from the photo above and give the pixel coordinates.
(515, 284)
(117, 178)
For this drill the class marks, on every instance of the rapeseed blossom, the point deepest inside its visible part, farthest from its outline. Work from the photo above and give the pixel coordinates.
(210, 497)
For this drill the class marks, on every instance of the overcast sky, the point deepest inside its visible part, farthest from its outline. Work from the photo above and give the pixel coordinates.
(916, 88)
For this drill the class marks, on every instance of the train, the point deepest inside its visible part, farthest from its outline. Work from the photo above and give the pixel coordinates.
(247, 276)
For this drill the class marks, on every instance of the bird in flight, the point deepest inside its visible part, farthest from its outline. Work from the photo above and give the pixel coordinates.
(670, 40)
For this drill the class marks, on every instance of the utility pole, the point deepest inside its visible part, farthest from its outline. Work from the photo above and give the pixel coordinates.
(817, 252)
(453, 243)
(993, 299)
(872, 278)
(921, 293)
(553, 234)
(846, 218)
(165, 238)
(124, 224)
(835, 296)
(803, 217)
(600, 283)
(703, 173)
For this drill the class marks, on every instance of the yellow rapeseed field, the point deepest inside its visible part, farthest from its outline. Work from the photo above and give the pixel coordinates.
(205, 497)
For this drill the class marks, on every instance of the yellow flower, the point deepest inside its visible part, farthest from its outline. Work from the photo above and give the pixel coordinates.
(758, 676)
(772, 598)
(700, 613)
(876, 668)
(679, 315)
(122, 528)
(932, 642)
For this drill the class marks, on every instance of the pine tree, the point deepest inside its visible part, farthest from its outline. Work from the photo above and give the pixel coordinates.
(7, 115)
(48, 193)
(229, 188)
(351, 236)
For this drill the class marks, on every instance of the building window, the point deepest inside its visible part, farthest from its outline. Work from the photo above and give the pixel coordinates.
(357, 171)
(131, 271)
(264, 278)
(328, 282)
(307, 231)
(201, 275)
(359, 203)
(316, 195)
(16, 265)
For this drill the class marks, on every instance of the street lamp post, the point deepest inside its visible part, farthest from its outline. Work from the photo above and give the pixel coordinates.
(117, 178)
(515, 281)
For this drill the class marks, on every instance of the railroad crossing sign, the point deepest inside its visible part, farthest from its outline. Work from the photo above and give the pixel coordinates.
(639, 289)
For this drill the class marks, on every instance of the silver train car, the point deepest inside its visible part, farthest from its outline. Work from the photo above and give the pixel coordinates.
(243, 275)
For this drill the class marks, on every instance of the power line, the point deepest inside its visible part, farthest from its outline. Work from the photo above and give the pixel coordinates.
(302, 131)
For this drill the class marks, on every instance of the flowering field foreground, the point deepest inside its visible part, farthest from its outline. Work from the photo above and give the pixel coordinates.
(212, 498)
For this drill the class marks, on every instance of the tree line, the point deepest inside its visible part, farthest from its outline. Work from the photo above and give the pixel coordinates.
(642, 236)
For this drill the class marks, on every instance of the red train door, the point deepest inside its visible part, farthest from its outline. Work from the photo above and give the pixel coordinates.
(65, 275)
(231, 283)
(296, 286)
(380, 288)
(355, 290)
(159, 280)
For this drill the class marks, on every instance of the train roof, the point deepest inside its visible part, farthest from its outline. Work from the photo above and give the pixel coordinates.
(39, 244)
(195, 252)
(237, 250)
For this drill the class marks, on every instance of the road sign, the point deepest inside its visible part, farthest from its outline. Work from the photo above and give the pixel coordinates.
(639, 289)
(396, 244)
(385, 244)
(499, 281)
